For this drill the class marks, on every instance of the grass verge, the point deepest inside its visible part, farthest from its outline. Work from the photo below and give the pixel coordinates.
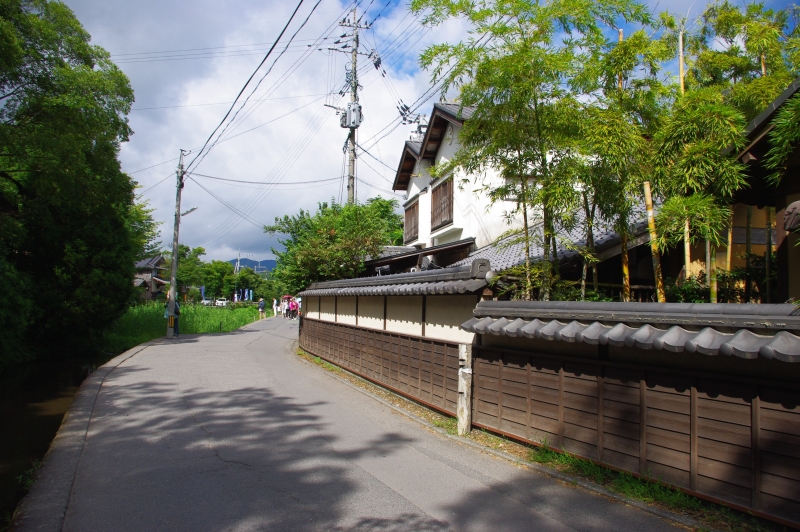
(652, 492)
(146, 322)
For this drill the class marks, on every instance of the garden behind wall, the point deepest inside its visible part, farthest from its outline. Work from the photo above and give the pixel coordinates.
(702, 397)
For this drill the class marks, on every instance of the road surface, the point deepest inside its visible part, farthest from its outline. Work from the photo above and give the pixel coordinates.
(235, 432)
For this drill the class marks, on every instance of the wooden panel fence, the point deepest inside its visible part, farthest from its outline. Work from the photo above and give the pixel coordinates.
(423, 369)
(722, 438)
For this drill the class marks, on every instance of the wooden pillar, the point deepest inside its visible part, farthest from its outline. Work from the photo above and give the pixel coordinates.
(643, 424)
(755, 450)
(693, 438)
(464, 406)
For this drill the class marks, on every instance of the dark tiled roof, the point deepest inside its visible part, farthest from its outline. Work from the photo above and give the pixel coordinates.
(414, 146)
(415, 252)
(391, 251)
(149, 263)
(455, 110)
(746, 331)
(503, 255)
(460, 280)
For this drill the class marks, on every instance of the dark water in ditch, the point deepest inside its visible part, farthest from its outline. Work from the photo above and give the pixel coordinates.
(33, 401)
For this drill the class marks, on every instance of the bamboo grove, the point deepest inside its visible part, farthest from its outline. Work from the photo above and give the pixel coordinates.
(581, 105)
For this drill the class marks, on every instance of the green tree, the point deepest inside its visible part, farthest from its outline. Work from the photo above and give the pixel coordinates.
(144, 229)
(214, 274)
(522, 70)
(65, 212)
(694, 172)
(191, 268)
(333, 242)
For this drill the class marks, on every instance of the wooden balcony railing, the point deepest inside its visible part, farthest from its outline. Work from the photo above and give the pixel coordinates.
(442, 205)
(411, 227)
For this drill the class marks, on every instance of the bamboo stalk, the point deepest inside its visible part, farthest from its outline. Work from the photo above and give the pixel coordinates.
(768, 257)
(651, 225)
(626, 278)
(728, 251)
(713, 274)
(687, 250)
(680, 60)
(748, 251)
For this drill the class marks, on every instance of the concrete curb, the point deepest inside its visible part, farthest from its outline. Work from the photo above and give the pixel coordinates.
(550, 472)
(43, 509)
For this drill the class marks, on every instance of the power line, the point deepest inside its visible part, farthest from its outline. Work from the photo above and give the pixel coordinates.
(368, 153)
(260, 80)
(290, 156)
(207, 48)
(296, 9)
(154, 186)
(223, 103)
(236, 211)
(266, 184)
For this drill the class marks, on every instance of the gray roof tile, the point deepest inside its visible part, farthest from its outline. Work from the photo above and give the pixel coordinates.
(744, 331)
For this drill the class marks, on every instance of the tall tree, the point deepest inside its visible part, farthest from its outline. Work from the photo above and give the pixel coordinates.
(694, 170)
(521, 71)
(333, 242)
(66, 206)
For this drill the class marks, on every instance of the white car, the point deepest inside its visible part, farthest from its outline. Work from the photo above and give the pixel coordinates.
(221, 302)
(207, 302)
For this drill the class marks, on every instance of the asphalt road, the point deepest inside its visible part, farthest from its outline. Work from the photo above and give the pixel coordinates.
(234, 432)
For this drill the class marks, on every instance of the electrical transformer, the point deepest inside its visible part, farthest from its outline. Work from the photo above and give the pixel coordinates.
(351, 118)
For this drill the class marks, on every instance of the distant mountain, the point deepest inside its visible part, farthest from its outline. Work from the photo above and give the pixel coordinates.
(257, 266)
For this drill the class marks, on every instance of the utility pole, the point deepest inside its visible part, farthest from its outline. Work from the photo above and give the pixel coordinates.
(173, 278)
(351, 116)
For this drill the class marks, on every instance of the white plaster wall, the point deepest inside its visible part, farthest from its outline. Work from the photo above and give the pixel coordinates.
(311, 307)
(370, 312)
(346, 310)
(404, 314)
(473, 213)
(444, 315)
(327, 308)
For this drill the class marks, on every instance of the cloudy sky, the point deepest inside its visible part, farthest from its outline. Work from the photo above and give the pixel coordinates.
(187, 61)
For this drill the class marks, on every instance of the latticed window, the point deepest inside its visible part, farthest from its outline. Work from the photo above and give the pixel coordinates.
(442, 205)
(411, 227)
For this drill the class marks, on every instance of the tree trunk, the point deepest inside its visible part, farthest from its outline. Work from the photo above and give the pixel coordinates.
(589, 223)
(651, 225)
(528, 287)
(556, 268)
(712, 283)
(768, 256)
(748, 249)
(626, 279)
(544, 293)
(708, 262)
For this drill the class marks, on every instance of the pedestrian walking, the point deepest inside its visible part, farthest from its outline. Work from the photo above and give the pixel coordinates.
(261, 307)
(293, 309)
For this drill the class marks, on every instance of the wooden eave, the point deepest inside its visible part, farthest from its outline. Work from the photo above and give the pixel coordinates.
(405, 169)
(437, 128)
(759, 190)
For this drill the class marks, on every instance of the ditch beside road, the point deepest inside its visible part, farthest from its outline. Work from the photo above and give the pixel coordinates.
(236, 432)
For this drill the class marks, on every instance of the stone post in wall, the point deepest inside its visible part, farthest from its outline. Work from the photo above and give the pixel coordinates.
(464, 406)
